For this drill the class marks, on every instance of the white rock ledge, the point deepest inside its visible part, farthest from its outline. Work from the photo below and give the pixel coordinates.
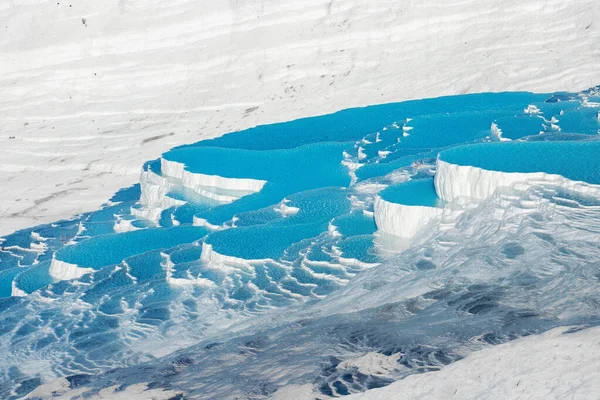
(16, 292)
(153, 188)
(402, 220)
(64, 271)
(192, 180)
(464, 183)
(210, 256)
(153, 198)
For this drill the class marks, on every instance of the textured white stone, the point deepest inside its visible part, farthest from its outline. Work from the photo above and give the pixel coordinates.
(552, 365)
(464, 183)
(64, 271)
(196, 181)
(402, 220)
(210, 256)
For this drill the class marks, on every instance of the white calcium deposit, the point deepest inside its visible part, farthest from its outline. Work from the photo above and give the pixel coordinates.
(91, 90)
(464, 183)
(403, 220)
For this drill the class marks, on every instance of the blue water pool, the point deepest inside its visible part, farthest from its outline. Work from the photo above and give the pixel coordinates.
(418, 192)
(217, 291)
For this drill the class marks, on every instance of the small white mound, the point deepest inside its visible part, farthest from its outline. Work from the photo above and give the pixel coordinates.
(197, 221)
(402, 220)
(532, 110)
(124, 225)
(497, 132)
(63, 271)
(553, 365)
(284, 210)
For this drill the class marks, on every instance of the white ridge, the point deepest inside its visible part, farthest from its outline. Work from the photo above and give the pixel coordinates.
(64, 271)
(464, 183)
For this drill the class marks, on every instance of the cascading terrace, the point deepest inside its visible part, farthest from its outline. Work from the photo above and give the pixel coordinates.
(234, 247)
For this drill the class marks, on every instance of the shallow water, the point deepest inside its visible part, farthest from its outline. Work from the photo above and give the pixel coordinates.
(416, 192)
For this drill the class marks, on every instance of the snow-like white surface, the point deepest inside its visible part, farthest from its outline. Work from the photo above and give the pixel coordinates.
(464, 183)
(91, 90)
(552, 365)
(64, 271)
(403, 220)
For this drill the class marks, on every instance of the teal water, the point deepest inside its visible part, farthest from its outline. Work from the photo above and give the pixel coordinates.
(111, 249)
(418, 192)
